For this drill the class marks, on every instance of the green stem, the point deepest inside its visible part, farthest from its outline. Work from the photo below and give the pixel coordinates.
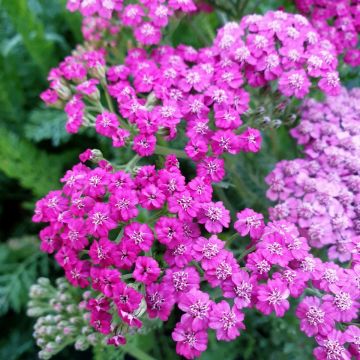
(222, 196)
(163, 150)
(246, 252)
(132, 163)
(241, 8)
(107, 96)
(240, 186)
(134, 351)
(231, 239)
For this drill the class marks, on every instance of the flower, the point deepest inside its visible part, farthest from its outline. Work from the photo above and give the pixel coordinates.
(182, 280)
(226, 321)
(242, 288)
(273, 296)
(295, 83)
(315, 317)
(189, 343)
(273, 247)
(140, 235)
(160, 300)
(146, 270)
(214, 216)
(197, 307)
(249, 222)
(208, 251)
(250, 140)
(331, 346)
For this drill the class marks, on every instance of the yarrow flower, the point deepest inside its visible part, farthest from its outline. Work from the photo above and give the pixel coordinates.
(152, 92)
(112, 256)
(338, 22)
(140, 240)
(146, 19)
(319, 192)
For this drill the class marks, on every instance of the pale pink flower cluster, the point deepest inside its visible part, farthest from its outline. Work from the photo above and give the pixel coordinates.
(321, 192)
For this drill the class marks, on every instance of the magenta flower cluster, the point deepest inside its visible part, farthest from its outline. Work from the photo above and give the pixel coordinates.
(143, 240)
(147, 17)
(338, 21)
(157, 90)
(321, 192)
(136, 266)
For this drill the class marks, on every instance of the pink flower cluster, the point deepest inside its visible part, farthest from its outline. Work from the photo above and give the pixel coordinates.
(145, 17)
(321, 192)
(111, 233)
(280, 46)
(338, 21)
(155, 91)
(98, 30)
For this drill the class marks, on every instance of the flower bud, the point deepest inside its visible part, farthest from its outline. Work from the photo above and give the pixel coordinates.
(276, 123)
(81, 344)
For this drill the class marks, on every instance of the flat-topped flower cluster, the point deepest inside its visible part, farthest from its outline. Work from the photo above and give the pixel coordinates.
(159, 91)
(321, 192)
(147, 17)
(338, 21)
(145, 243)
(142, 240)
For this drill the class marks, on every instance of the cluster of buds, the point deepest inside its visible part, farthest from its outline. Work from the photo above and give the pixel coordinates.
(62, 318)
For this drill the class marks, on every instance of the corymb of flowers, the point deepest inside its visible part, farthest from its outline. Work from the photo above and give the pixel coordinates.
(150, 232)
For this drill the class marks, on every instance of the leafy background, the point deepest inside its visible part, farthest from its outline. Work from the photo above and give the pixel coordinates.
(35, 150)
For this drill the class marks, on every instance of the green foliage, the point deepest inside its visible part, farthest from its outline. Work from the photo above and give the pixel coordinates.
(20, 265)
(104, 352)
(34, 169)
(31, 31)
(17, 343)
(47, 124)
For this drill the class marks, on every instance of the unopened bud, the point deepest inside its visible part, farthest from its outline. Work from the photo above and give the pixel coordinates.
(81, 344)
(276, 123)
(291, 119)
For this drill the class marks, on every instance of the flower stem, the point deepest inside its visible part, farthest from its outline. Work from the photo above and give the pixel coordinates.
(107, 96)
(222, 196)
(135, 352)
(246, 252)
(163, 150)
(240, 186)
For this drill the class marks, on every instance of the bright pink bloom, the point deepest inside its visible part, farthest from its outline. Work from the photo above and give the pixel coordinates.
(214, 216)
(315, 317)
(226, 321)
(272, 296)
(207, 251)
(146, 270)
(331, 347)
(241, 287)
(182, 280)
(160, 300)
(250, 140)
(140, 235)
(249, 222)
(189, 343)
(197, 307)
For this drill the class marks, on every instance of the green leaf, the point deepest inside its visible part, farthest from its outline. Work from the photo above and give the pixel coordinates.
(34, 169)
(31, 31)
(21, 263)
(47, 124)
